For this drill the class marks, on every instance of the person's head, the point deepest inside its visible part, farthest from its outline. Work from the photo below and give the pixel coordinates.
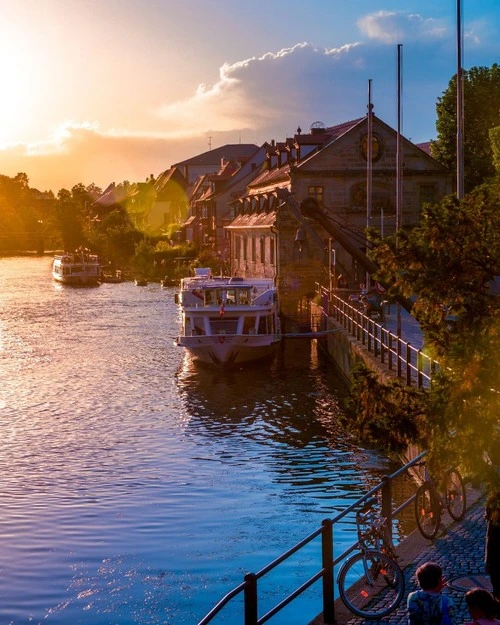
(481, 603)
(430, 576)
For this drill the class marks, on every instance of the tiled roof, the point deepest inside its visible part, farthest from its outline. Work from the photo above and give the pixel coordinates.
(230, 151)
(425, 147)
(253, 220)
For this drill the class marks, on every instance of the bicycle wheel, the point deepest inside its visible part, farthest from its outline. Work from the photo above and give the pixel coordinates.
(371, 585)
(455, 495)
(427, 511)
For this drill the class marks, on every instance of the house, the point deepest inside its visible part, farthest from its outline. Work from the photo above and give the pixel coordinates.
(152, 205)
(209, 162)
(212, 203)
(328, 169)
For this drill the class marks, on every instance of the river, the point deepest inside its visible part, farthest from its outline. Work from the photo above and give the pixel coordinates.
(138, 488)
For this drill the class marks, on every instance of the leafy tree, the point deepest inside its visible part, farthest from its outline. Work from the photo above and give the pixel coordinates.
(495, 147)
(481, 96)
(448, 263)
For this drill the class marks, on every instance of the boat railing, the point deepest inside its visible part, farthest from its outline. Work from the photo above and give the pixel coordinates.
(249, 588)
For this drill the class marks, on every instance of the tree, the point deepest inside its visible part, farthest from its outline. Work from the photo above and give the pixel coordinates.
(481, 95)
(448, 263)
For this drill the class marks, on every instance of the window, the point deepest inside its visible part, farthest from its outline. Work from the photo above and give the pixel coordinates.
(262, 249)
(271, 251)
(317, 193)
(254, 249)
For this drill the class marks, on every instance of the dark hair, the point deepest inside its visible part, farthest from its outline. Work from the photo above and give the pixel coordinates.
(483, 600)
(429, 575)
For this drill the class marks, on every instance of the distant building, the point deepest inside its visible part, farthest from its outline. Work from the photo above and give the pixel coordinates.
(209, 162)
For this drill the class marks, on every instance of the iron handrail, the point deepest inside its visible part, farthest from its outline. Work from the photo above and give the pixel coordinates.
(409, 363)
(249, 586)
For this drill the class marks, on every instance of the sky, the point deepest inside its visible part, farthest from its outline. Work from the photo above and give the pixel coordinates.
(100, 91)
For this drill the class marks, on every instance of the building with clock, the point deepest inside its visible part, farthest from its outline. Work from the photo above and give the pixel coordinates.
(328, 167)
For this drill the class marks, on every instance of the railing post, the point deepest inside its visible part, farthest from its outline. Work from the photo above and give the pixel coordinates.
(419, 369)
(250, 595)
(389, 345)
(408, 364)
(327, 563)
(387, 506)
(398, 356)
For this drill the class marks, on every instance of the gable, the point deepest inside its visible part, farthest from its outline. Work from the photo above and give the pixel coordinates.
(348, 151)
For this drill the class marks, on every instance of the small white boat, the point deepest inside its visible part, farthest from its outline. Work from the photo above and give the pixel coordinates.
(228, 320)
(78, 268)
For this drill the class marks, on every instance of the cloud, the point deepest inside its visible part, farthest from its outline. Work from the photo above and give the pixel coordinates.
(256, 92)
(82, 152)
(253, 100)
(398, 27)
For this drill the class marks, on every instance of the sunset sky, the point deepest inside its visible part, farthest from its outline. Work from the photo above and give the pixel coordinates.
(96, 91)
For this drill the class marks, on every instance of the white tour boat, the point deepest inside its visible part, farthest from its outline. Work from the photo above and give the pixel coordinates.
(228, 320)
(78, 268)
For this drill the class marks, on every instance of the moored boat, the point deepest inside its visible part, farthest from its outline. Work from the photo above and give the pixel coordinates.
(228, 320)
(79, 268)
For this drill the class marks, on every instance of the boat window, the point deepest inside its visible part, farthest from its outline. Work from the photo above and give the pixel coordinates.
(197, 325)
(249, 325)
(218, 296)
(263, 325)
(224, 326)
(230, 297)
(244, 297)
(209, 297)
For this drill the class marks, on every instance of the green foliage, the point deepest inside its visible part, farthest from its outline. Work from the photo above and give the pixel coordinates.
(448, 263)
(481, 96)
(388, 415)
(495, 147)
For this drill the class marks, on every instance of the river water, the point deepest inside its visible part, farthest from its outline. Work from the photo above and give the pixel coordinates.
(138, 488)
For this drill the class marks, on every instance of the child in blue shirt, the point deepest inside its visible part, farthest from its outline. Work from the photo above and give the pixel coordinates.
(429, 606)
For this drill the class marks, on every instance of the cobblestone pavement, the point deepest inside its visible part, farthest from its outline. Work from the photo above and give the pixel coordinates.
(459, 550)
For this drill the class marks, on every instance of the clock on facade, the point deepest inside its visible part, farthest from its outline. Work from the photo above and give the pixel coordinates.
(376, 147)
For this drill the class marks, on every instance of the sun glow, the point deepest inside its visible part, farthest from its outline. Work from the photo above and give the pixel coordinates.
(17, 89)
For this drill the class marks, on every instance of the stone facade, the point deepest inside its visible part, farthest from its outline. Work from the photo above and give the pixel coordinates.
(329, 167)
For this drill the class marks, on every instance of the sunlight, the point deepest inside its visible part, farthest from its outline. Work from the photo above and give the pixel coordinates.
(16, 98)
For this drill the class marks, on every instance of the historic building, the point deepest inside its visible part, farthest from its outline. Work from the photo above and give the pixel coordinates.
(328, 168)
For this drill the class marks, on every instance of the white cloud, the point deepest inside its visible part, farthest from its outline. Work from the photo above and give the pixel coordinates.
(400, 27)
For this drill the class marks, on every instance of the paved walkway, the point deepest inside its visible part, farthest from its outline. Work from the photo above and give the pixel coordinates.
(458, 549)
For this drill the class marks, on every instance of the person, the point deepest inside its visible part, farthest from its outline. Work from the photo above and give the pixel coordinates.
(482, 607)
(429, 606)
(492, 551)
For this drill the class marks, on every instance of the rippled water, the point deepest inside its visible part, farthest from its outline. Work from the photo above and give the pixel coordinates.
(138, 488)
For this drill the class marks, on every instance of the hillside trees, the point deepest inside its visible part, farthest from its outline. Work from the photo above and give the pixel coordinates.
(481, 96)
(449, 263)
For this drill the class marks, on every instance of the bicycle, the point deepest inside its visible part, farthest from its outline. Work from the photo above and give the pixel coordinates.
(371, 584)
(430, 505)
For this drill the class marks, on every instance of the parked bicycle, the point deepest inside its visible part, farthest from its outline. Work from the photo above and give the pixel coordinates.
(371, 584)
(430, 505)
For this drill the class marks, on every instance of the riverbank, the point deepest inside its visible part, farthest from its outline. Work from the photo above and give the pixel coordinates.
(458, 549)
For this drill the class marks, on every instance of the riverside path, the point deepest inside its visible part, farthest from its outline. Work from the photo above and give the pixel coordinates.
(458, 549)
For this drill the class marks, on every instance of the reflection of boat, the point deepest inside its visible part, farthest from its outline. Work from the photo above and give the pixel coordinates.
(78, 268)
(228, 320)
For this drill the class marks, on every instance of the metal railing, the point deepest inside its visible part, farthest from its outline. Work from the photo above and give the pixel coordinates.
(408, 362)
(249, 587)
